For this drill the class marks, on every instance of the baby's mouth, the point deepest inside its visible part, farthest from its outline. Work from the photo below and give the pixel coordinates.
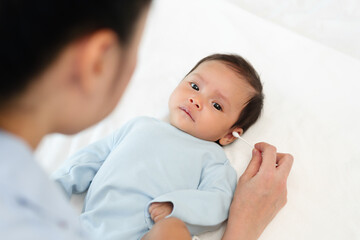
(187, 112)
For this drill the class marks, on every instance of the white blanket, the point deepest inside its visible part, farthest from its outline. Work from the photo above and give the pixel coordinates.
(311, 109)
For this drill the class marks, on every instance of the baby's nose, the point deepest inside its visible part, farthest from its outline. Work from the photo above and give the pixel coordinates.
(195, 102)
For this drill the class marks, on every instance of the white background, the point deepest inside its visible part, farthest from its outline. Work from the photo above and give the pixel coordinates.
(311, 107)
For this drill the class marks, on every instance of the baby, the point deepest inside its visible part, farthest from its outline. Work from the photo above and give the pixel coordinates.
(148, 169)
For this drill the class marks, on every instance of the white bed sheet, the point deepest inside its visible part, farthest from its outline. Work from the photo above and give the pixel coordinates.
(335, 23)
(311, 109)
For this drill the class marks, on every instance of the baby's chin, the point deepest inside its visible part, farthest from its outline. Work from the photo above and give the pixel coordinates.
(191, 131)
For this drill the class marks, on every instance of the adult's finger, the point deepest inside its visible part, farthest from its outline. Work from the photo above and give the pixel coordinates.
(281, 158)
(285, 162)
(254, 165)
(268, 156)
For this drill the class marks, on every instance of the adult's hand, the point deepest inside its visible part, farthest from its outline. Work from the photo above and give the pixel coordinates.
(260, 193)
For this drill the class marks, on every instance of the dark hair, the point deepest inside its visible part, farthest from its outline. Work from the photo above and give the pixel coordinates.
(34, 32)
(252, 110)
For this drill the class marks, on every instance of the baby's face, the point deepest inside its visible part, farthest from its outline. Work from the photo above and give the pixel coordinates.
(208, 101)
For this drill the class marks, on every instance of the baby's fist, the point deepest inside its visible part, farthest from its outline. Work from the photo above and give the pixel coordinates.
(159, 210)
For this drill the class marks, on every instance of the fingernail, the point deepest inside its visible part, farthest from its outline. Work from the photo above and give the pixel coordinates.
(254, 151)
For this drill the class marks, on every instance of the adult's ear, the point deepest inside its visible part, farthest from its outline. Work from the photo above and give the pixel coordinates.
(229, 138)
(98, 60)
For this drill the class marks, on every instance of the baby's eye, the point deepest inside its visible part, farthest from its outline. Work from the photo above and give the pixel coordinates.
(217, 106)
(194, 86)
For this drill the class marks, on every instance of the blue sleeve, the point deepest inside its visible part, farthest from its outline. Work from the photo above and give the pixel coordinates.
(76, 174)
(207, 207)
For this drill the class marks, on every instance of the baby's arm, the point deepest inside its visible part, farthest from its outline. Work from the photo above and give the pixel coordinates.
(76, 174)
(206, 208)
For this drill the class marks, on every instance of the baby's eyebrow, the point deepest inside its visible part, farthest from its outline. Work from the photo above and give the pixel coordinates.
(221, 96)
(200, 77)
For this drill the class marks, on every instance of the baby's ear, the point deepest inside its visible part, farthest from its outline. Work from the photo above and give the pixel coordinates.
(229, 138)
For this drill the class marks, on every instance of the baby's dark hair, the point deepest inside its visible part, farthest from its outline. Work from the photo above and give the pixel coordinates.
(33, 33)
(252, 110)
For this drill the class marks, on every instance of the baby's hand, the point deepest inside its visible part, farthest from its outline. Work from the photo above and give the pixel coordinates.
(159, 210)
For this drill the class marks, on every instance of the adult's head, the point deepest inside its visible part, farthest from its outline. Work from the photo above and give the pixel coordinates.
(67, 60)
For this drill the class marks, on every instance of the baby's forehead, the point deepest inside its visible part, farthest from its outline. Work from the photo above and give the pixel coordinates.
(223, 72)
(220, 66)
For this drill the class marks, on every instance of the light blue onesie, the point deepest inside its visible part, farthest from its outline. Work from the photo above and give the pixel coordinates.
(148, 161)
